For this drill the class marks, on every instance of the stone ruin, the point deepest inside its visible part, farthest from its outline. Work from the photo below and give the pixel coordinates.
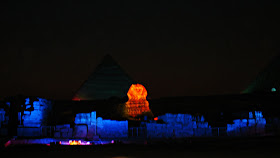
(38, 116)
(32, 121)
(90, 127)
(2, 117)
(178, 126)
(253, 125)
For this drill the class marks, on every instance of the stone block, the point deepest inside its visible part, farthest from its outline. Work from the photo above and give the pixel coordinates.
(69, 135)
(64, 130)
(93, 115)
(64, 134)
(27, 113)
(70, 130)
(58, 127)
(91, 131)
(56, 134)
(202, 125)
(80, 131)
(252, 122)
(29, 132)
(32, 124)
(83, 120)
(77, 120)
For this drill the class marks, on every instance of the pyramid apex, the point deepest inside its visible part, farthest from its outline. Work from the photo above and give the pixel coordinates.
(108, 60)
(108, 80)
(108, 56)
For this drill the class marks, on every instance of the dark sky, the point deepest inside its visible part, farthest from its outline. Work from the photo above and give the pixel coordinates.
(176, 48)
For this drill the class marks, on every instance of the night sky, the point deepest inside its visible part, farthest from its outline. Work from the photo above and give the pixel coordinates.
(173, 48)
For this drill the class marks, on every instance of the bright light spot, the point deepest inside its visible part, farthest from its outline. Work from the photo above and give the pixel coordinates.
(74, 142)
(76, 99)
(156, 118)
(8, 143)
(273, 89)
(112, 141)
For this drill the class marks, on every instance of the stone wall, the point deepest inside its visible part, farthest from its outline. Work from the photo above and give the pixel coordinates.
(155, 130)
(112, 128)
(87, 126)
(2, 117)
(29, 132)
(202, 132)
(80, 131)
(86, 118)
(63, 131)
(255, 124)
(182, 119)
(176, 118)
(39, 115)
(178, 126)
(3, 122)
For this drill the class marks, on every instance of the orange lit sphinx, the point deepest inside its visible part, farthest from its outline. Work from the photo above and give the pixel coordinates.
(137, 103)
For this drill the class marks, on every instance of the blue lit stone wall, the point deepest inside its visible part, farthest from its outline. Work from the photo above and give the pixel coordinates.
(39, 115)
(2, 117)
(155, 130)
(63, 131)
(178, 126)
(80, 131)
(86, 125)
(112, 128)
(34, 119)
(86, 118)
(185, 119)
(3, 122)
(255, 124)
(29, 132)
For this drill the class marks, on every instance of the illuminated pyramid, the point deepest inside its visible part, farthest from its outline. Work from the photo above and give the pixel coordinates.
(108, 80)
(268, 80)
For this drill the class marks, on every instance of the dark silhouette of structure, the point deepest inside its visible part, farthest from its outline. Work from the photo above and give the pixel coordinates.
(268, 80)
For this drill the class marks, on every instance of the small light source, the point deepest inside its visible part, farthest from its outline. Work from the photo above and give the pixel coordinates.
(273, 89)
(156, 118)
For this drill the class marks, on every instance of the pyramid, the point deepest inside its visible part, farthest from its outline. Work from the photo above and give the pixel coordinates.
(268, 80)
(108, 80)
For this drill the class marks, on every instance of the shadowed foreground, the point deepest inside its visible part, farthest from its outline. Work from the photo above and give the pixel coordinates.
(241, 147)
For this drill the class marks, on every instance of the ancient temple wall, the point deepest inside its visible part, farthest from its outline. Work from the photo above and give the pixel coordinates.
(251, 126)
(39, 115)
(87, 126)
(178, 126)
(3, 120)
(112, 128)
(63, 131)
(34, 120)
(86, 118)
(2, 117)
